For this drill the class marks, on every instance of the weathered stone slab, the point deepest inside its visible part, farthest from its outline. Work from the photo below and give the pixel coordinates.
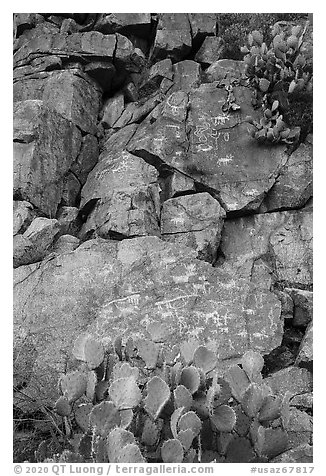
(68, 220)
(110, 288)
(133, 23)
(303, 306)
(23, 214)
(112, 110)
(195, 221)
(159, 71)
(127, 56)
(299, 428)
(202, 25)
(36, 241)
(223, 155)
(283, 238)
(187, 75)
(45, 146)
(225, 69)
(77, 45)
(173, 38)
(291, 379)
(87, 158)
(212, 147)
(301, 454)
(74, 98)
(129, 197)
(177, 183)
(305, 354)
(210, 51)
(293, 187)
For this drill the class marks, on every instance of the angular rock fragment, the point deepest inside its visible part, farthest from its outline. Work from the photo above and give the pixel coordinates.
(23, 214)
(305, 354)
(301, 454)
(128, 197)
(195, 221)
(131, 23)
(293, 187)
(34, 244)
(173, 38)
(210, 51)
(303, 306)
(225, 70)
(291, 379)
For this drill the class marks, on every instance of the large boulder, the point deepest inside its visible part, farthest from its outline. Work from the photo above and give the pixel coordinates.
(111, 288)
(191, 133)
(45, 146)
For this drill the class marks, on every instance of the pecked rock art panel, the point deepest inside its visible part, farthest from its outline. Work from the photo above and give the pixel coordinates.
(192, 133)
(117, 288)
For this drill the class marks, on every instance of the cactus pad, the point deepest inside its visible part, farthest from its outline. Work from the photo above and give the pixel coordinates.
(252, 400)
(101, 390)
(89, 350)
(270, 409)
(82, 413)
(271, 442)
(150, 433)
(205, 359)
(223, 418)
(252, 363)
(91, 384)
(125, 370)
(190, 378)
(190, 421)
(126, 417)
(186, 438)
(148, 351)
(125, 393)
(238, 381)
(187, 349)
(73, 385)
(172, 451)
(116, 441)
(158, 394)
(62, 406)
(182, 397)
(104, 417)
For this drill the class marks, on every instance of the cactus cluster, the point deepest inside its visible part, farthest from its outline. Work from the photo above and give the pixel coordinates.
(138, 406)
(276, 72)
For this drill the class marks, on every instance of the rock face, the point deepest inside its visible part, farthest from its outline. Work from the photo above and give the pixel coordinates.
(110, 288)
(140, 197)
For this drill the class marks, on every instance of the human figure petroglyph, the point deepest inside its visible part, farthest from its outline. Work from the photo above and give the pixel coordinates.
(204, 287)
(178, 220)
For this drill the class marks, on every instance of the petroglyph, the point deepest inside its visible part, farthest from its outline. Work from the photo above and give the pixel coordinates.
(207, 130)
(225, 160)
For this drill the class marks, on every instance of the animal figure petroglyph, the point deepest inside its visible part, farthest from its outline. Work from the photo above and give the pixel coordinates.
(225, 160)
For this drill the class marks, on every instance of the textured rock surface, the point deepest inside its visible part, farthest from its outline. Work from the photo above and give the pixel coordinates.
(291, 379)
(118, 288)
(140, 196)
(45, 146)
(195, 221)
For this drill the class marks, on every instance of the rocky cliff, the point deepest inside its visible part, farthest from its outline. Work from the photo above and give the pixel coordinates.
(140, 197)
